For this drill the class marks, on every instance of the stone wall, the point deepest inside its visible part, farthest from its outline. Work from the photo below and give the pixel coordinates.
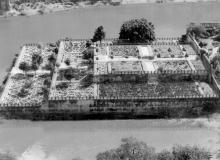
(152, 76)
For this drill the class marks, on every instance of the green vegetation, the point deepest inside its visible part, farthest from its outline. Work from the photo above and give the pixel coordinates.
(62, 85)
(67, 62)
(88, 54)
(7, 156)
(137, 30)
(24, 66)
(132, 149)
(99, 34)
(36, 61)
(22, 93)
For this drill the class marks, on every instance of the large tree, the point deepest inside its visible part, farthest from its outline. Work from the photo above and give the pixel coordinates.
(137, 30)
(99, 34)
(24, 66)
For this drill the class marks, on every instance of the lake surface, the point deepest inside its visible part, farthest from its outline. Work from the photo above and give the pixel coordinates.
(67, 140)
(85, 139)
(170, 20)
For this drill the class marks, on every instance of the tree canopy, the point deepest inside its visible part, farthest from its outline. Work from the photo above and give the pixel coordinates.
(99, 34)
(132, 149)
(137, 30)
(24, 66)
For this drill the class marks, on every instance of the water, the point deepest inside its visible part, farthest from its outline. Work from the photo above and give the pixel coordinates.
(169, 19)
(85, 139)
(66, 140)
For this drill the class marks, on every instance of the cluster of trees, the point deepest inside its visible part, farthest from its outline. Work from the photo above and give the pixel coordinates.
(137, 31)
(200, 31)
(134, 31)
(132, 149)
(36, 61)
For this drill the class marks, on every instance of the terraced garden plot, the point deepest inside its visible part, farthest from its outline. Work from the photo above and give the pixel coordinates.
(75, 74)
(120, 66)
(28, 52)
(130, 90)
(102, 51)
(23, 90)
(188, 49)
(73, 90)
(167, 51)
(198, 65)
(74, 46)
(72, 57)
(101, 68)
(123, 50)
(173, 65)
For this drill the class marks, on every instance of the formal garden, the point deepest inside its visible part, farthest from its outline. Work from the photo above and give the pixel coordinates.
(157, 89)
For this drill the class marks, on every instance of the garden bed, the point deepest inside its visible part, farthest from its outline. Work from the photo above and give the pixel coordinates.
(72, 90)
(123, 66)
(167, 51)
(74, 46)
(130, 90)
(173, 65)
(124, 50)
(23, 89)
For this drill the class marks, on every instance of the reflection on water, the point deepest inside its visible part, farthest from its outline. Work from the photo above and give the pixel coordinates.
(85, 139)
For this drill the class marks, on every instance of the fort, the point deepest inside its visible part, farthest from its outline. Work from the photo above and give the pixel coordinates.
(166, 78)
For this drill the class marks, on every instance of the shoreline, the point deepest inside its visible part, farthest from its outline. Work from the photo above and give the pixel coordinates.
(41, 8)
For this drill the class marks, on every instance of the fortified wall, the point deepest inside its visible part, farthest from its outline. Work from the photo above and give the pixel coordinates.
(163, 79)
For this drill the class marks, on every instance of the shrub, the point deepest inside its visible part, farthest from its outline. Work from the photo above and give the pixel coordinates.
(164, 155)
(52, 59)
(183, 39)
(36, 59)
(27, 85)
(47, 82)
(133, 149)
(67, 62)
(88, 53)
(169, 50)
(137, 30)
(88, 43)
(22, 93)
(198, 30)
(69, 74)
(24, 66)
(99, 34)
(190, 153)
(62, 85)
(48, 66)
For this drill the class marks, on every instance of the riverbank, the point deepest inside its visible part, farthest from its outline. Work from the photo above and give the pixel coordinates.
(85, 139)
(39, 8)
